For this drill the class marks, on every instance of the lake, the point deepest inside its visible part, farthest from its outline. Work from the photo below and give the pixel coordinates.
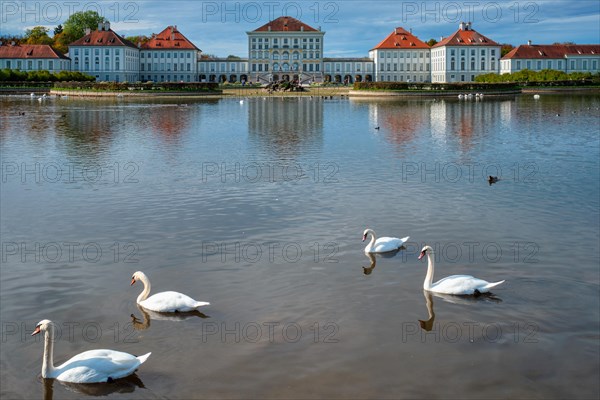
(258, 206)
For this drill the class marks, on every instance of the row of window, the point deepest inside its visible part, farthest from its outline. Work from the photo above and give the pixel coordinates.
(264, 55)
(400, 78)
(401, 54)
(39, 65)
(348, 67)
(472, 65)
(161, 67)
(223, 67)
(286, 67)
(117, 52)
(394, 67)
(304, 47)
(285, 40)
(167, 78)
(165, 54)
(556, 64)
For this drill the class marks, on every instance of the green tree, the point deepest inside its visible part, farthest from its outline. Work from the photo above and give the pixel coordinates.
(58, 29)
(431, 42)
(505, 49)
(74, 27)
(38, 35)
(143, 39)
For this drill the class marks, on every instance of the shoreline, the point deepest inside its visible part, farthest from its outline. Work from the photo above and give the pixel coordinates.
(309, 92)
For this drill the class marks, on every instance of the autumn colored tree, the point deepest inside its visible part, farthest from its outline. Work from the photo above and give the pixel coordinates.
(38, 35)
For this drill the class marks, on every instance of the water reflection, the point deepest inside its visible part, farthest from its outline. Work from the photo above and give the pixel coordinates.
(428, 324)
(123, 385)
(402, 121)
(373, 259)
(284, 130)
(469, 299)
(168, 122)
(148, 316)
(367, 271)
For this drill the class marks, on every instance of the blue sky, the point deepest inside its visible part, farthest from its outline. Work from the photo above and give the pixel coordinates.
(352, 27)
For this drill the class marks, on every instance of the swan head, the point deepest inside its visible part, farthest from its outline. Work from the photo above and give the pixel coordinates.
(138, 275)
(366, 233)
(42, 326)
(425, 250)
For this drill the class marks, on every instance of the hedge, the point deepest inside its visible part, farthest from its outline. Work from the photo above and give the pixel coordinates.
(123, 86)
(458, 86)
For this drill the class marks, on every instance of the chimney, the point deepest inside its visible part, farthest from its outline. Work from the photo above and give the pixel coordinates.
(469, 25)
(100, 26)
(269, 28)
(107, 26)
(88, 31)
(529, 42)
(461, 26)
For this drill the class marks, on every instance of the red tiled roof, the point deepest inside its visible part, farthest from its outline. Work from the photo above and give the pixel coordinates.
(102, 38)
(286, 24)
(546, 51)
(170, 38)
(400, 38)
(30, 51)
(466, 38)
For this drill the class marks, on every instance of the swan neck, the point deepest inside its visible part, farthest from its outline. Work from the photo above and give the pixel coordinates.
(372, 242)
(144, 295)
(48, 360)
(430, 269)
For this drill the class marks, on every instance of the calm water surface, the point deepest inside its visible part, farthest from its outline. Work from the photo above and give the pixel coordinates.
(259, 208)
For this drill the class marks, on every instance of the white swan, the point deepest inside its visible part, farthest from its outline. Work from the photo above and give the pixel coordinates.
(383, 244)
(455, 284)
(536, 96)
(91, 366)
(164, 301)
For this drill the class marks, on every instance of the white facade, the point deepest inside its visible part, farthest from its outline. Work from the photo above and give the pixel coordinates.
(106, 55)
(223, 70)
(463, 56)
(348, 70)
(36, 64)
(168, 65)
(566, 58)
(279, 51)
(401, 65)
(33, 57)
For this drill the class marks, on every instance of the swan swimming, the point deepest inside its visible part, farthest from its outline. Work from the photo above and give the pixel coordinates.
(92, 366)
(164, 301)
(383, 244)
(455, 284)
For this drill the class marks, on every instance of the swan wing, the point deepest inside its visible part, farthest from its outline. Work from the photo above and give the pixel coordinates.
(384, 244)
(460, 284)
(171, 302)
(95, 366)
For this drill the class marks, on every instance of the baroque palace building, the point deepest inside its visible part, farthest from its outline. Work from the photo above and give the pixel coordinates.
(288, 49)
